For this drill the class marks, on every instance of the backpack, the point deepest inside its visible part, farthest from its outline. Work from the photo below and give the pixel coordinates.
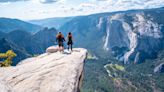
(59, 37)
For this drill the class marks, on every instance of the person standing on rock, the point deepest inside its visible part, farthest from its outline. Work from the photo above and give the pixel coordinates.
(60, 39)
(70, 42)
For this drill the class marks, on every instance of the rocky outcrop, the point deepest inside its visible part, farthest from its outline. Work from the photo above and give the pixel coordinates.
(49, 72)
(159, 68)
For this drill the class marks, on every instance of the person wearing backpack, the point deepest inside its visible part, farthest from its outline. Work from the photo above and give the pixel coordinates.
(70, 41)
(60, 39)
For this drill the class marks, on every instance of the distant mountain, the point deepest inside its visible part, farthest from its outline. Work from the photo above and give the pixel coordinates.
(51, 22)
(8, 25)
(45, 38)
(132, 36)
(23, 39)
(33, 43)
(26, 44)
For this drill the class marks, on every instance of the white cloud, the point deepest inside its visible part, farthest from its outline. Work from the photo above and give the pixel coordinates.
(3, 1)
(48, 1)
(40, 1)
(86, 6)
(37, 9)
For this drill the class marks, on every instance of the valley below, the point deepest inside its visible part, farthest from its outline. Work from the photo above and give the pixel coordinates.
(109, 75)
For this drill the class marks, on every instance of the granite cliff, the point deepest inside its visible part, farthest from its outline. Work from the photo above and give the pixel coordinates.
(48, 72)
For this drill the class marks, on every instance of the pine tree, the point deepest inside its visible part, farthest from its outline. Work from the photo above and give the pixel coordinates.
(9, 55)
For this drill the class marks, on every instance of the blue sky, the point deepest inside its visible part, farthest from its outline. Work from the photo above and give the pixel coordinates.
(39, 9)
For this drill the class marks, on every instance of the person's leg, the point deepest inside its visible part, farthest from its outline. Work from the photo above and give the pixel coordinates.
(59, 47)
(71, 47)
(68, 47)
(62, 47)
(59, 44)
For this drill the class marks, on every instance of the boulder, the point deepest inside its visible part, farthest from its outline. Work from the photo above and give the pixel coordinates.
(52, 49)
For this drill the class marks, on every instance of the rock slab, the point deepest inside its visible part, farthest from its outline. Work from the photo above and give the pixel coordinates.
(49, 72)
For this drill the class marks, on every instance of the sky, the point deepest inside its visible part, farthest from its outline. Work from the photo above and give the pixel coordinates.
(40, 9)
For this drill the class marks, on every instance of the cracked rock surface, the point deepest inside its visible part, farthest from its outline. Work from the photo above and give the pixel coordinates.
(49, 72)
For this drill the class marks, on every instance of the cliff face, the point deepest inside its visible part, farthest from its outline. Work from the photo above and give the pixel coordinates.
(132, 36)
(53, 72)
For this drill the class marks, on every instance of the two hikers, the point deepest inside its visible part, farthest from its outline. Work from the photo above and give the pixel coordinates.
(60, 39)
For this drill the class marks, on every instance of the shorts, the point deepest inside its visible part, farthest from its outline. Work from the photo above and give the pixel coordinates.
(60, 44)
(70, 43)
